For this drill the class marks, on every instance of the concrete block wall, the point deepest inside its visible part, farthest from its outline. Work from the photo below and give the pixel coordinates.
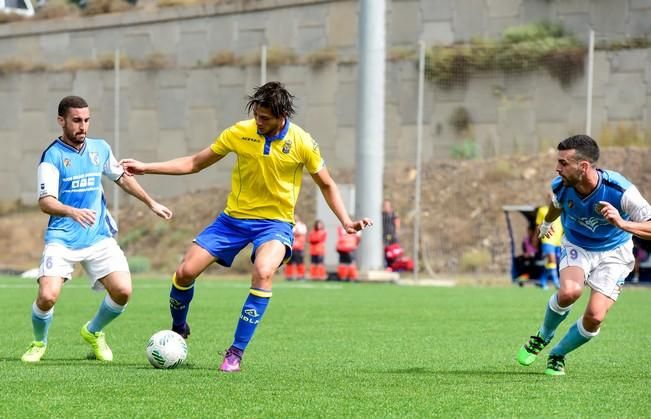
(180, 109)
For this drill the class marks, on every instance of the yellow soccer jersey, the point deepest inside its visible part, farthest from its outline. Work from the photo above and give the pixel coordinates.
(267, 174)
(555, 239)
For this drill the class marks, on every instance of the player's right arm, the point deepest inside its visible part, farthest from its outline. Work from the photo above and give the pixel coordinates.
(52, 206)
(546, 228)
(48, 197)
(179, 166)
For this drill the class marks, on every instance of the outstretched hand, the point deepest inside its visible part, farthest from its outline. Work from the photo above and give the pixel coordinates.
(132, 167)
(162, 211)
(358, 225)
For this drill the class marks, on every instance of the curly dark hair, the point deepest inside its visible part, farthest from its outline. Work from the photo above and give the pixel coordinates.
(71, 102)
(585, 147)
(275, 97)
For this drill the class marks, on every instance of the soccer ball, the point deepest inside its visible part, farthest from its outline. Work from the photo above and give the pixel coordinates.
(166, 349)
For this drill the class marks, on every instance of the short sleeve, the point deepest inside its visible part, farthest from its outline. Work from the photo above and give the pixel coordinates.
(112, 169)
(48, 180)
(635, 205)
(311, 154)
(540, 215)
(224, 143)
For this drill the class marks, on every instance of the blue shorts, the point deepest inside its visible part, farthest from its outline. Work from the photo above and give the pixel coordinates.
(226, 236)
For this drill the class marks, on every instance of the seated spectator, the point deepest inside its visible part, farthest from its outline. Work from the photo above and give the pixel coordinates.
(396, 259)
(525, 264)
(530, 243)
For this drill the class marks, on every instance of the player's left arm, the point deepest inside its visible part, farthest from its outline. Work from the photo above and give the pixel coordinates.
(332, 197)
(130, 185)
(637, 207)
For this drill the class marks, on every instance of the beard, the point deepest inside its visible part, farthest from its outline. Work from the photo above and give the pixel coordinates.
(77, 137)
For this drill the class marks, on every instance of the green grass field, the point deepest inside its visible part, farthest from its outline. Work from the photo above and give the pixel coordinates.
(327, 350)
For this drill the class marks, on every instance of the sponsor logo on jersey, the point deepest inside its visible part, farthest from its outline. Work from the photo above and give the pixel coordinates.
(591, 223)
(66, 162)
(570, 204)
(253, 140)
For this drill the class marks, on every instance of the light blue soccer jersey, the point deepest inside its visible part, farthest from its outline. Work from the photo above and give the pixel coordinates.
(583, 224)
(74, 177)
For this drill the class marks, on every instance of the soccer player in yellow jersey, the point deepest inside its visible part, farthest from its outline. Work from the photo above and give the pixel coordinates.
(550, 247)
(266, 179)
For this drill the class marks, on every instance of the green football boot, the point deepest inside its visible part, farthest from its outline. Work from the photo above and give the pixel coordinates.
(97, 341)
(35, 352)
(529, 352)
(555, 365)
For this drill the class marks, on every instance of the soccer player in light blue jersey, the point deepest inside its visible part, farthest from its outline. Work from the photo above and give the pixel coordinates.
(271, 154)
(80, 228)
(600, 210)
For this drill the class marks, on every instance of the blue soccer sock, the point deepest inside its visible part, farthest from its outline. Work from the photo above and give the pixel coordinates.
(252, 312)
(575, 337)
(180, 298)
(554, 315)
(553, 274)
(41, 321)
(108, 311)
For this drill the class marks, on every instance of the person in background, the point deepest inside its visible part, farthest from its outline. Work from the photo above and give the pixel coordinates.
(317, 238)
(295, 269)
(80, 229)
(527, 259)
(550, 247)
(347, 244)
(600, 210)
(529, 248)
(390, 224)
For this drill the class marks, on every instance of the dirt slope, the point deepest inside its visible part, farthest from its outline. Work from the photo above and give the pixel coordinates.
(463, 226)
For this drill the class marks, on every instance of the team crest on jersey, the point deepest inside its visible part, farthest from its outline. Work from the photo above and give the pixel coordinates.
(94, 157)
(287, 146)
(66, 162)
(598, 207)
(570, 204)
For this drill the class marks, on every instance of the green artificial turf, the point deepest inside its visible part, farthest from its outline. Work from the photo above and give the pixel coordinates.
(326, 350)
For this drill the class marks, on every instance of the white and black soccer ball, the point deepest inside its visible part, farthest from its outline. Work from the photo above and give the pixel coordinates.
(166, 349)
